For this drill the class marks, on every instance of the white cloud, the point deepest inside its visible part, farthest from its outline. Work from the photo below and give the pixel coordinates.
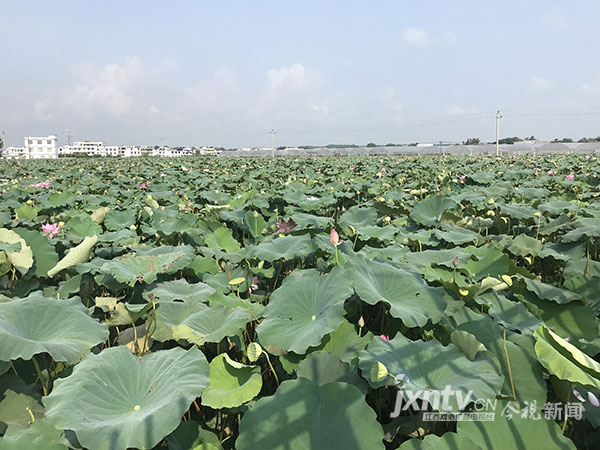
(294, 77)
(449, 37)
(461, 111)
(416, 36)
(554, 17)
(540, 83)
(105, 90)
(154, 110)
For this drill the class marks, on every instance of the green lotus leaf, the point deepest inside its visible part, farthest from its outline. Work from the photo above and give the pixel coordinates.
(303, 309)
(425, 366)
(77, 255)
(521, 212)
(564, 360)
(78, 228)
(222, 239)
(524, 245)
(490, 262)
(26, 212)
(409, 297)
(428, 212)
(307, 221)
(287, 419)
(62, 198)
(446, 258)
(21, 259)
(190, 435)
(358, 217)
(36, 324)
(516, 432)
(287, 247)
(145, 266)
(168, 291)
(447, 441)
(573, 319)
(256, 225)
(44, 255)
(39, 435)
(323, 367)
(457, 235)
(16, 409)
(345, 343)
(548, 292)
(231, 383)
(513, 315)
(468, 343)
(384, 234)
(118, 400)
(198, 323)
(115, 219)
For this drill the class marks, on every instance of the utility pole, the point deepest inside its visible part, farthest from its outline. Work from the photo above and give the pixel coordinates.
(3, 148)
(498, 117)
(69, 135)
(441, 151)
(272, 143)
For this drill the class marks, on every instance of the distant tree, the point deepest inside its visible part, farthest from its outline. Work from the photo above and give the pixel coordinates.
(390, 145)
(563, 140)
(530, 138)
(371, 144)
(156, 147)
(413, 144)
(472, 141)
(510, 140)
(592, 139)
(281, 148)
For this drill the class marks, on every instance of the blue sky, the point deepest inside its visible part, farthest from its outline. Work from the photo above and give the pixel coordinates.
(225, 73)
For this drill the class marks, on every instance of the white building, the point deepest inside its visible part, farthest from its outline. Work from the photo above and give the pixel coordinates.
(14, 153)
(41, 147)
(99, 149)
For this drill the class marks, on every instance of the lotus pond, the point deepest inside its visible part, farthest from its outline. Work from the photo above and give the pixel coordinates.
(310, 303)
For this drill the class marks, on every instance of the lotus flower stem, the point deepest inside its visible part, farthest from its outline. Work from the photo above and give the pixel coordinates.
(564, 425)
(512, 385)
(39, 374)
(272, 369)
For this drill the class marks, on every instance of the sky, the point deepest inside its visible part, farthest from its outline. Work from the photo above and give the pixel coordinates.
(225, 73)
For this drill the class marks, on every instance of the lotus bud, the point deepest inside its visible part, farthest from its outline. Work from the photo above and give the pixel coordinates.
(361, 322)
(334, 238)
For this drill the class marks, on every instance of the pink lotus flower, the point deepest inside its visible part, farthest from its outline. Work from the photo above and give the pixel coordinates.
(511, 165)
(334, 238)
(382, 170)
(43, 185)
(312, 198)
(285, 227)
(51, 230)
(254, 285)
(571, 177)
(351, 169)
(462, 177)
(144, 184)
(550, 172)
(385, 338)
(163, 175)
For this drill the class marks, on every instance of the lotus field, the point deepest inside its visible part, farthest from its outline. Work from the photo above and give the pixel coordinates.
(302, 303)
